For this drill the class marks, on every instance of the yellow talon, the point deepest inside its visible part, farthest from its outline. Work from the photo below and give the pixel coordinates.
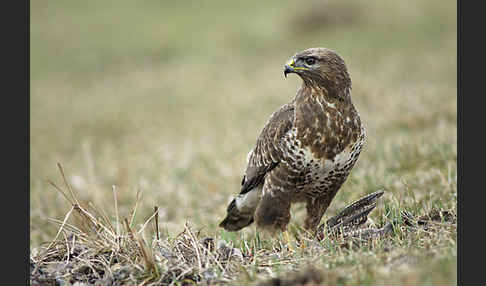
(302, 245)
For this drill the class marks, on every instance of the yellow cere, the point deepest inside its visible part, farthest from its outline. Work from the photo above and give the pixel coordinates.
(292, 65)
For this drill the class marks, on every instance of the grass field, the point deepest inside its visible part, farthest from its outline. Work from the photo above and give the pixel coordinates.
(166, 99)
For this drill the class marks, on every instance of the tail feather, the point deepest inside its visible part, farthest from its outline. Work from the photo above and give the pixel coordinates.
(241, 209)
(235, 220)
(353, 216)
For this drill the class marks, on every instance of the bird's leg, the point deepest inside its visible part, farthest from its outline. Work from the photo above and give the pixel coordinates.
(316, 207)
(273, 211)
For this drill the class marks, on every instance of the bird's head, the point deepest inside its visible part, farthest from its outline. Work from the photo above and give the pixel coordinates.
(320, 67)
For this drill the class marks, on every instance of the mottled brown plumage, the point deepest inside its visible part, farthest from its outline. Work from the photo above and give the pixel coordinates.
(305, 151)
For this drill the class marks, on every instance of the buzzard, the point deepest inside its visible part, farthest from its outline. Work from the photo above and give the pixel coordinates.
(305, 151)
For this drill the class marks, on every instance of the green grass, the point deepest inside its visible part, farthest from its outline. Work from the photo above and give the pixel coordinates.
(168, 98)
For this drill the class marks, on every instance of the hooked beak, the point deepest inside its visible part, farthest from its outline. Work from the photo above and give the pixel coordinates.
(288, 69)
(291, 67)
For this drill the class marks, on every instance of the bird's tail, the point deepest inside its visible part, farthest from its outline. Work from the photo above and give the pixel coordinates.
(235, 220)
(241, 209)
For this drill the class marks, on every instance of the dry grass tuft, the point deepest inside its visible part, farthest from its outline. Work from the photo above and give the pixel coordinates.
(93, 250)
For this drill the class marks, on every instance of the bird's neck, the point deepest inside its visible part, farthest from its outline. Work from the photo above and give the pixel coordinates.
(331, 89)
(324, 95)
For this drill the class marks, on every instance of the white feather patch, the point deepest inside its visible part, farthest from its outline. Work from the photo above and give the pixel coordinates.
(247, 203)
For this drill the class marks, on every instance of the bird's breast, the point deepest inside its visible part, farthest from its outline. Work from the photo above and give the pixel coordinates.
(321, 175)
(325, 128)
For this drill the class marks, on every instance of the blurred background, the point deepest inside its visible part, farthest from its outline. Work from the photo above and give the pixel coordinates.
(167, 97)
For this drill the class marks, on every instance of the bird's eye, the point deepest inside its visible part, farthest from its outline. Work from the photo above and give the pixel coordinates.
(310, 61)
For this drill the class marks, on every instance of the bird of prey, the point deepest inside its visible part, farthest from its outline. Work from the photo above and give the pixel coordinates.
(305, 151)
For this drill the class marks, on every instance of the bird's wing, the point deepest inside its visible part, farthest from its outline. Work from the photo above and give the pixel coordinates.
(269, 148)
